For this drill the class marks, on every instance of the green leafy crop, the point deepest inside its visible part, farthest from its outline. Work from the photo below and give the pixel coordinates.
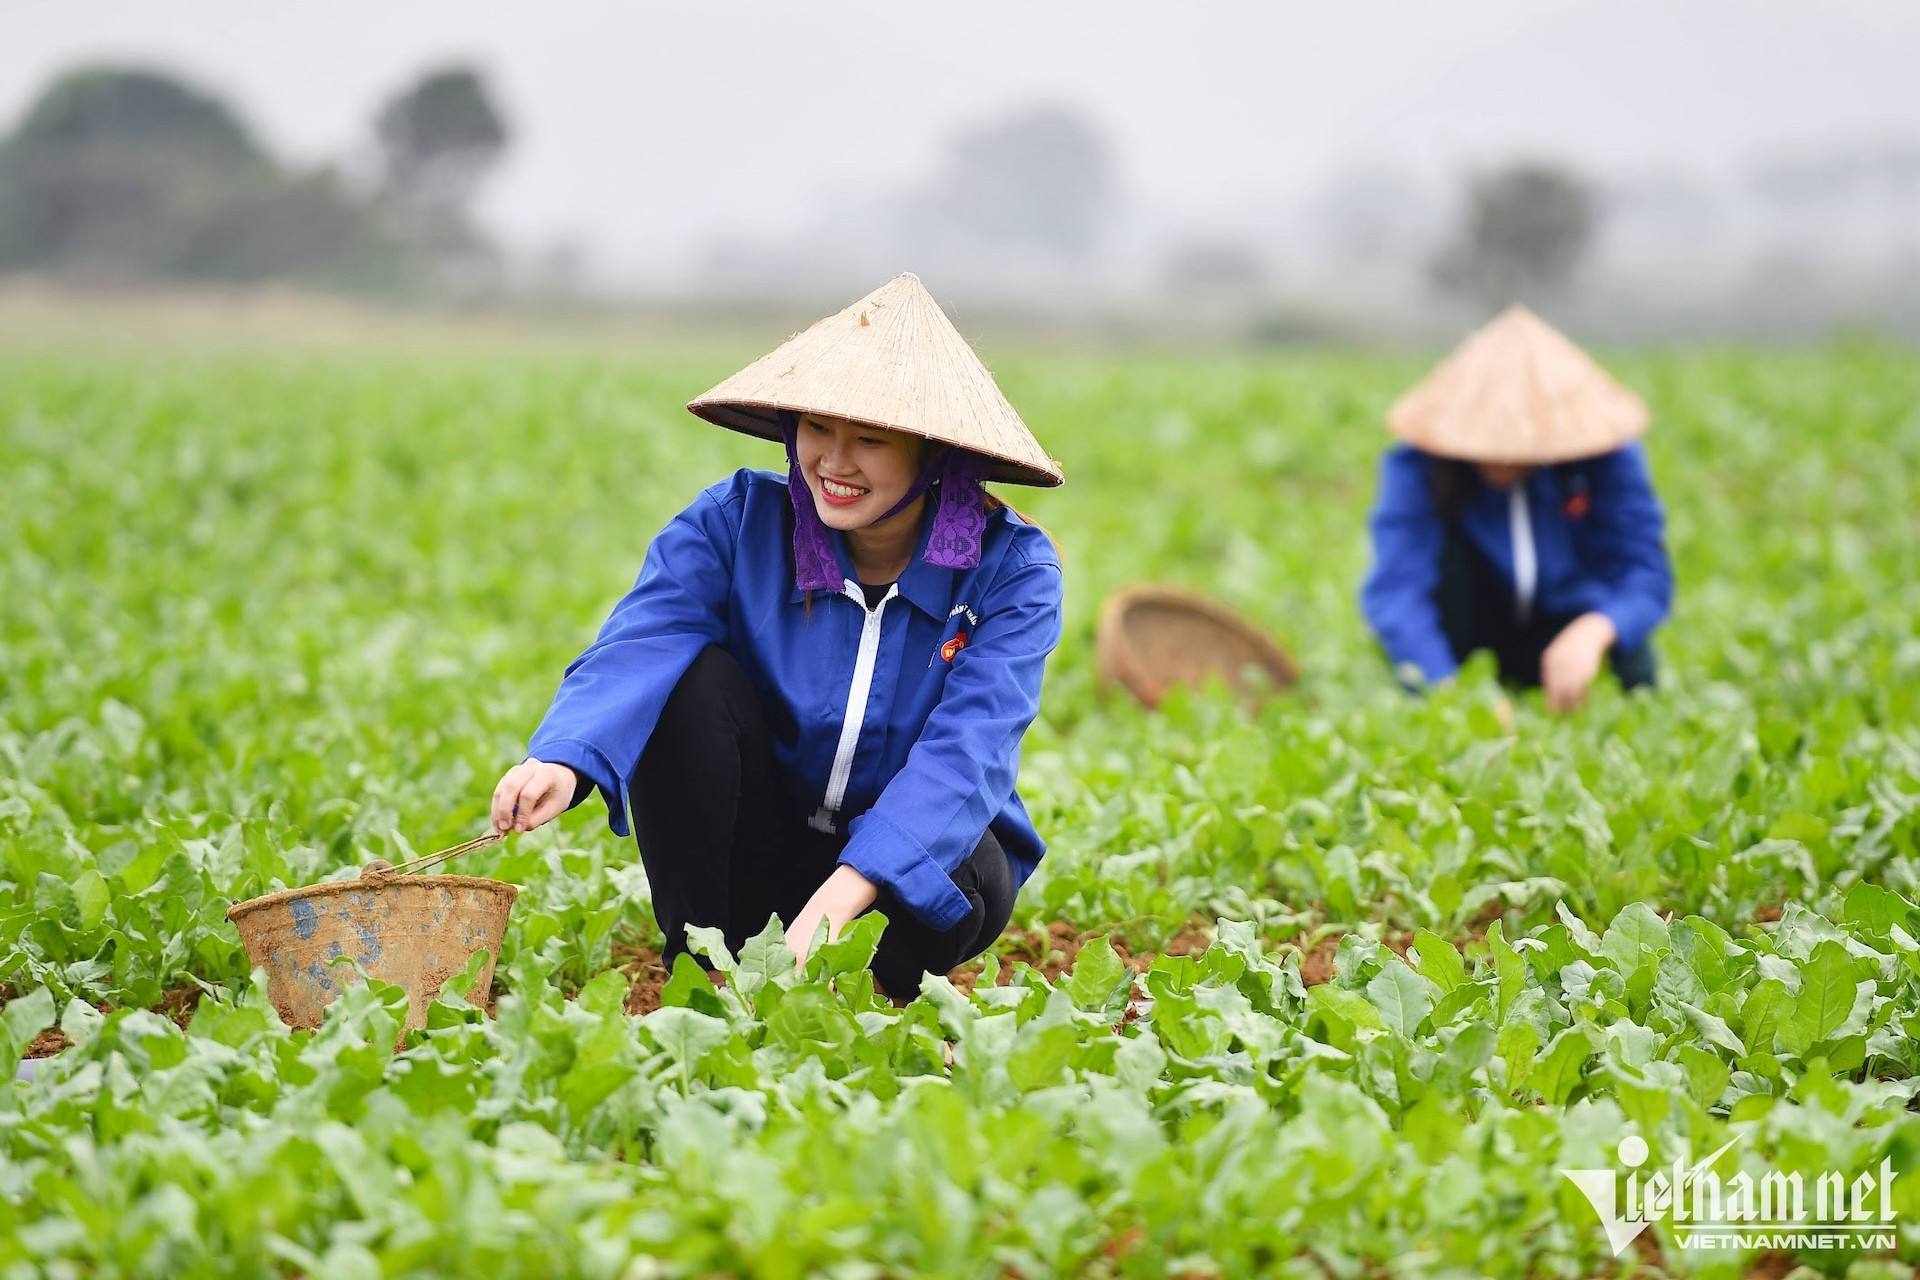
(1341, 985)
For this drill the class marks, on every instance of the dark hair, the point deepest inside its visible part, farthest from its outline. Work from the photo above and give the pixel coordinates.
(995, 502)
(1451, 485)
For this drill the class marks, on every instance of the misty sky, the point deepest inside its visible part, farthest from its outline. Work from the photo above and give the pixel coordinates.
(643, 130)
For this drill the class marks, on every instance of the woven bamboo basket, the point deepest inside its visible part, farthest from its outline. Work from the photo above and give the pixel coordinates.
(1151, 638)
(415, 931)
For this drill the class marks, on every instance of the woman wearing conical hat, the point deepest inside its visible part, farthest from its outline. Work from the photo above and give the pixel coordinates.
(1518, 517)
(812, 700)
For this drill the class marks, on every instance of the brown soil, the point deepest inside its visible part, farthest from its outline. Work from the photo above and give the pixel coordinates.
(1316, 965)
(1476, 934)
(1126, 1242)
(1190, 940)
(1492, 909)
(49, 1042)
(1054, 952)
(646, 974)
(177, 1005)
(1648, 1247)
(966, 977)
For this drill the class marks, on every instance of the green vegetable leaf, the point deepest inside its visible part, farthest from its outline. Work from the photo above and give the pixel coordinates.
(1400, 996)
(1707, 1075)
(1635, 934)
(1827, 991)
(1561, 1070)
(1097, 975)
(690, 988)
(92, 895)
(1440, 964)
(1509, 967)
(22, 1020)
(1346, 1012)
(1040, 1055)
(1714, 1030)
(1761, 1013)
(1518, 1047)
(607, 992)
(1577, 933)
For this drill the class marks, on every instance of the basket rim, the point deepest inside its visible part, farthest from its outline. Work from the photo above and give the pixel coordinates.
(332, 888)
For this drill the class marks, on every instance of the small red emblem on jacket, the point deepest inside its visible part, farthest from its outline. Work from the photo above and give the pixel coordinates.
(1578, 505)
(953, 646)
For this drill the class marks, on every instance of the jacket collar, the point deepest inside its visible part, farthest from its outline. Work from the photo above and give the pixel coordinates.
(927, 587)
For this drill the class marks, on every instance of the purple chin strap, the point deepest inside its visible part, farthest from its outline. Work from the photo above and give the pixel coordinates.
(959, 513)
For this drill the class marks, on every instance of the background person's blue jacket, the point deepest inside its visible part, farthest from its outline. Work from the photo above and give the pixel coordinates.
(1597, 528)
(951, 662)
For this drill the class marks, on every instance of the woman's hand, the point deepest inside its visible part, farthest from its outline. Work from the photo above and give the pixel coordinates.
(1570, 663)
(845, 895)
(532, 794)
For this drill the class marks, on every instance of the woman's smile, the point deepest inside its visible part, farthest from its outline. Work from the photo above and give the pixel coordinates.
(841, 493)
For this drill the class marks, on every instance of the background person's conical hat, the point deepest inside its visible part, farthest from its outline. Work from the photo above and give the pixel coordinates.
(892, 359)
(1517, 391)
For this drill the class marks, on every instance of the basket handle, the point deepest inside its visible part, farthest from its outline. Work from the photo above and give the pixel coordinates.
(433, 859)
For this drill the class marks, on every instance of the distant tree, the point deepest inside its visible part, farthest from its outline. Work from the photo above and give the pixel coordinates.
(112, 106)
(111, 168)
(1524, 233)
(1038, 181)
(438, 139)
(126, 172)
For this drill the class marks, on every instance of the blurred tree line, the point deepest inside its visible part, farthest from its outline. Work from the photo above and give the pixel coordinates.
(122, 174)
(1522, 235)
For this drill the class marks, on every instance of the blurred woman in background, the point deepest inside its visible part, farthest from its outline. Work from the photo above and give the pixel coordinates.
(1518, 517)
(814, 696)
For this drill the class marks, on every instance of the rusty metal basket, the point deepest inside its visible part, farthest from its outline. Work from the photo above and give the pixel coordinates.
(1151, 638)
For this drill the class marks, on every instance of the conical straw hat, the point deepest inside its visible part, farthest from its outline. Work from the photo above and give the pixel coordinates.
(1518, 392)
(892, 359)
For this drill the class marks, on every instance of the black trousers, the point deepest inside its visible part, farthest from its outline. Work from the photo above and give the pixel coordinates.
(725, 846)
(1477, 612)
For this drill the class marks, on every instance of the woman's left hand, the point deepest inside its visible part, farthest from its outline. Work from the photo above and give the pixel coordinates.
(845, 895)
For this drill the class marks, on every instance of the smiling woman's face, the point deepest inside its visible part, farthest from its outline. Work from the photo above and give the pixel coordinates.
(855, 472)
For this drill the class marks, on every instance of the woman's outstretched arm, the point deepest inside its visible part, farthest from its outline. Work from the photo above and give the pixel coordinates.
(611, 696)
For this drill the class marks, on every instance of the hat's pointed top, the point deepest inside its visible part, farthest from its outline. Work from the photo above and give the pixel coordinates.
(892, 359)
(1518, 391)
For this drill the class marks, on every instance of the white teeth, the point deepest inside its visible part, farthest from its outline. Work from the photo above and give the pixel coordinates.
(840, 490)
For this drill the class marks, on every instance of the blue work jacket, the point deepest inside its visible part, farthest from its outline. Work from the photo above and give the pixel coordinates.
(1596, 529)
(939, 681)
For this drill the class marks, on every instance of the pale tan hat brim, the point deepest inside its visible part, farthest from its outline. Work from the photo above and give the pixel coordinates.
(891, 360)
(1518, 392)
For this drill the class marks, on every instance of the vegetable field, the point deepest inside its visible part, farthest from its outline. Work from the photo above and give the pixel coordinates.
(1336, 989)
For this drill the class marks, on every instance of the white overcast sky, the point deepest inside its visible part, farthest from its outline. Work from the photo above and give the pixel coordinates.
(644, 129)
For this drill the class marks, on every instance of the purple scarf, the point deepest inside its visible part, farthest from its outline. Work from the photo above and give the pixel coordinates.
(959, 514)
